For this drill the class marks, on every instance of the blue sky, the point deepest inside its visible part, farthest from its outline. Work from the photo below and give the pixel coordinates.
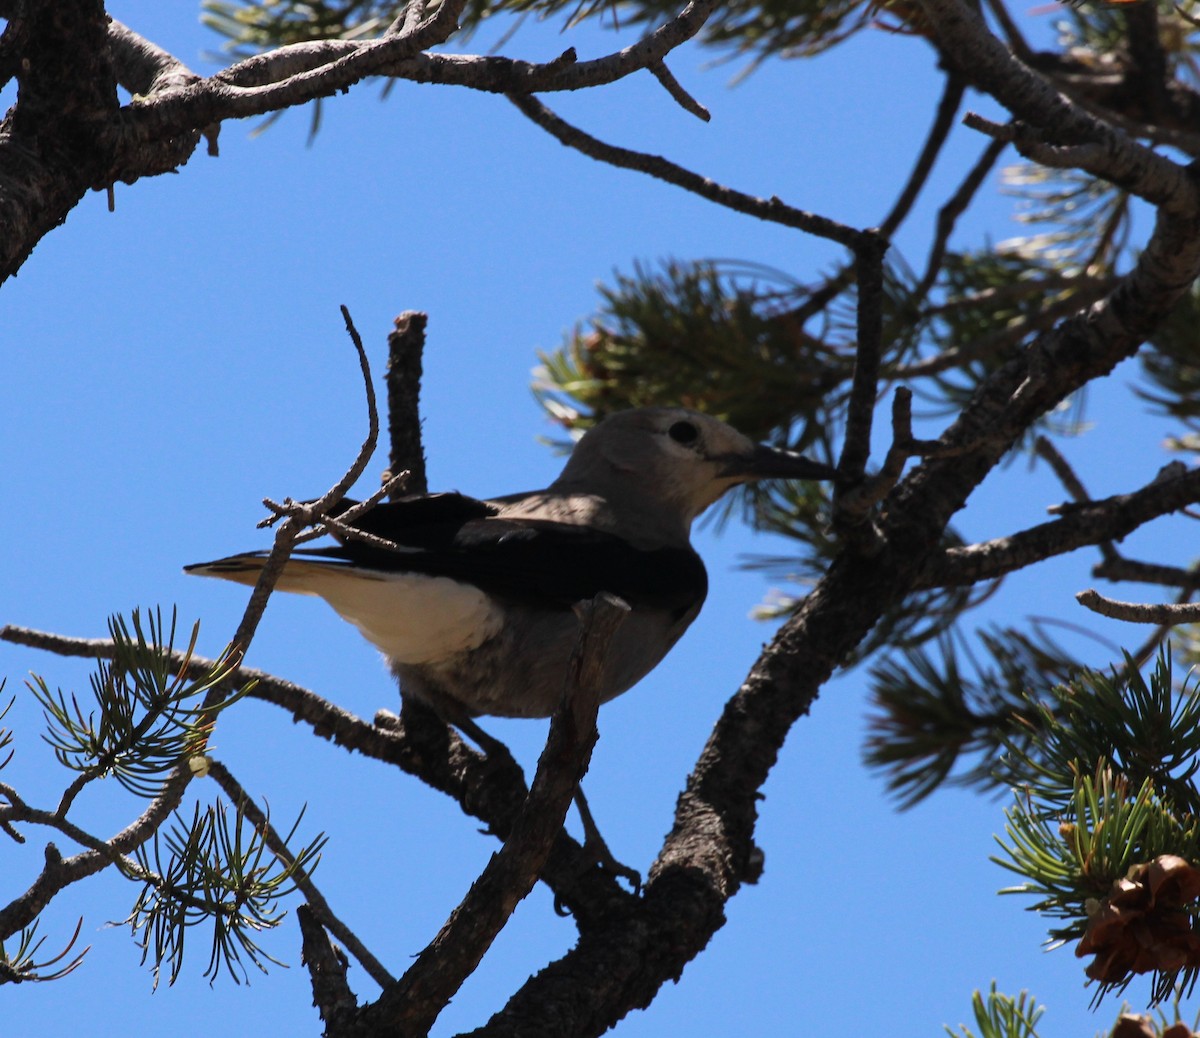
(168, 365)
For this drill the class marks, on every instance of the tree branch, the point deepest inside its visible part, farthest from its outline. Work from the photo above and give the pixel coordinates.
(406, 344)
(943, 122)
(968, 47)
(320, 909)
(412, 1005)
(1165, 614)
(327, 969)
(143, 67)
(430, 752)
(860, 410)
(772, 209)
(1091, 523)
(952, 209)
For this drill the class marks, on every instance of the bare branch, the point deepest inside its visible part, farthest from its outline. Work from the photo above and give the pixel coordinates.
(1046, 450)
(1090, 523)
(327, 969)
(143, 67)
(675, 89)
(943, 122)
(967, 46)
(858, 501)
(952, 209)
(1120, 568)
(868, 268)
(406, 343)
(1137, 612)
(770, 209)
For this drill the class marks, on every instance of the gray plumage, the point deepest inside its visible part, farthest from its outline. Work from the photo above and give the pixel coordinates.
(474, 612)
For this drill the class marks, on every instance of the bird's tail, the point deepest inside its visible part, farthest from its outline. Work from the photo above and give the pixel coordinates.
(299, 576)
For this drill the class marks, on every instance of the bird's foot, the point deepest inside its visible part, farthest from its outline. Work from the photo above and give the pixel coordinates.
(596, 851)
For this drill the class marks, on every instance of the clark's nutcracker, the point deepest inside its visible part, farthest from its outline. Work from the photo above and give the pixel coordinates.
(473, 607)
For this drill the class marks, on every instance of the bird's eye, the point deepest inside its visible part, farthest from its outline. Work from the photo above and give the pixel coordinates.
(683, 432)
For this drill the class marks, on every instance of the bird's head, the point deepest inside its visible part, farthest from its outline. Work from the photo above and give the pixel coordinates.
(679, 458)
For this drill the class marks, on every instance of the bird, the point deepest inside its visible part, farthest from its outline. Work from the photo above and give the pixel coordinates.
(472, 604)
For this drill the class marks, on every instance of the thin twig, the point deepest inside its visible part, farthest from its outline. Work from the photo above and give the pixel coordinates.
(858, 501)
(952, 209)
(943, 122)
(770, 209)
(675, 89)
(316, 900)
(1046, 450)
(1071, 483)
(1012, 32)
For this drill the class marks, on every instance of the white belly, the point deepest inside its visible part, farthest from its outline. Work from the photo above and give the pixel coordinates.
(410, 617)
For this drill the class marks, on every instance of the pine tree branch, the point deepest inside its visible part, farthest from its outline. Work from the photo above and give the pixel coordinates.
(430, 752)
(143, 67)
(159, 130)
(770, 209)
(316, 900)
(1093, 522)
(1165, 614)
(1049, 127)
(710, 852)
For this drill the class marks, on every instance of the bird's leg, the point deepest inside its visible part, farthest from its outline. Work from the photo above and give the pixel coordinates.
(450, 713)
(597, 850)
(492, 747)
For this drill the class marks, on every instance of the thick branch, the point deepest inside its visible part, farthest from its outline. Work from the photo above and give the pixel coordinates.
(53, 142)
(143, 67)
(1092, 523)
(969, 48)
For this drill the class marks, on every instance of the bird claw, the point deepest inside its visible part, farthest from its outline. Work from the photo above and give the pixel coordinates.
(596, 852)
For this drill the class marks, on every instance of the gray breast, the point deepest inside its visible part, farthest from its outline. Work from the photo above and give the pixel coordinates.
(522, 671)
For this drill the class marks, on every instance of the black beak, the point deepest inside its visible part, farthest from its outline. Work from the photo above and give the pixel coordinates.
(774, 463)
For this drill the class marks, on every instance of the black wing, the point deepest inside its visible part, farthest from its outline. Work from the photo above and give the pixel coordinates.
(531, 560)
